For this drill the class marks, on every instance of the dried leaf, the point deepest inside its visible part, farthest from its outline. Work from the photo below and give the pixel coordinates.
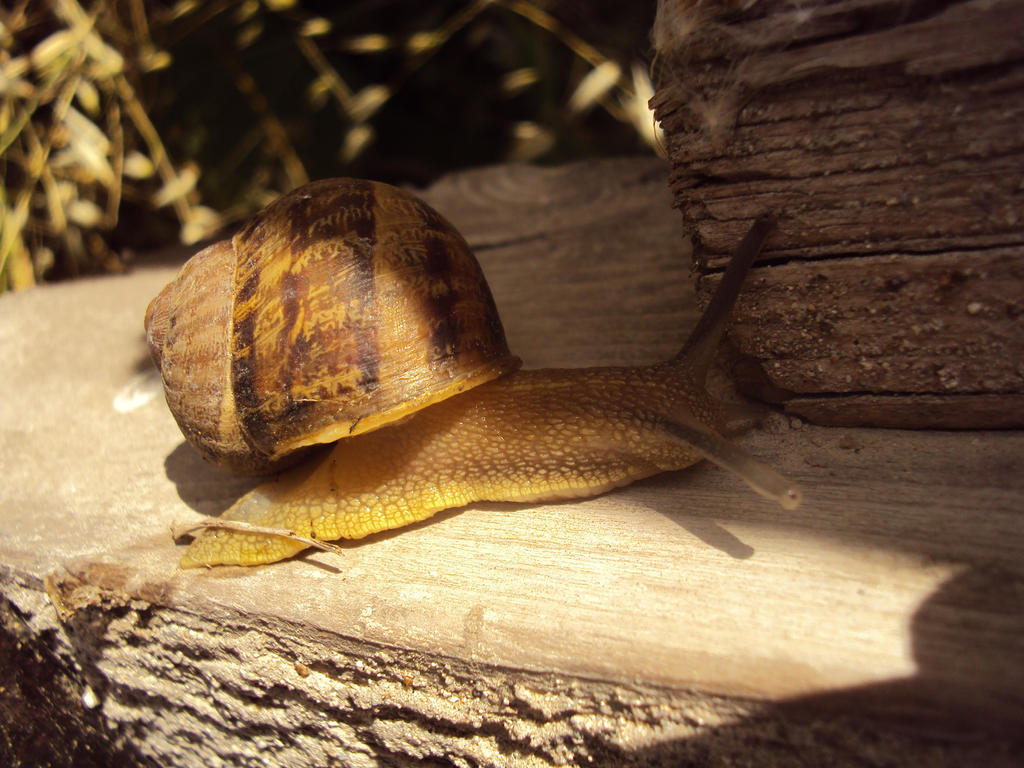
(12, 222)
(49, 49)
(19, 269)
(179, 531)
(88, 148)
(88, 96)
(246, 10)
(318, 92)
(85, 213)
(594, 85)
(357, 139)
(84, 130)
(249, 34)
(640, 114)
(183, 8)
(155, 60)
(367, 101)
(177, 187)
(420, 42)
(529, 141)
(373, 43)
(12, 83)
(58, 195)
(201, 222)
(315, 27)
(107, 62)
(15, 68)
(519, 80)
(137, 165)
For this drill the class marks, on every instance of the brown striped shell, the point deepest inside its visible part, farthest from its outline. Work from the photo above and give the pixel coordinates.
(342, 306)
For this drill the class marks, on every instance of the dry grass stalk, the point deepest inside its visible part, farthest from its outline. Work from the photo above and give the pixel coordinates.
(79, 128)
(187, 529)
(69, 115)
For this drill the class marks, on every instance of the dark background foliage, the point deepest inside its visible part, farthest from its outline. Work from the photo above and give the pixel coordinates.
(128, 124)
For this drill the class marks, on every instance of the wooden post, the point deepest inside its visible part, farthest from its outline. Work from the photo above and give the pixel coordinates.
(886, 139)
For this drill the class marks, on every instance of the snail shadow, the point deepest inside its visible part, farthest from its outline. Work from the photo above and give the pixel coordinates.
(714, 535)
(662, 495)
(210, 491)
(200, 485)
(143, 360)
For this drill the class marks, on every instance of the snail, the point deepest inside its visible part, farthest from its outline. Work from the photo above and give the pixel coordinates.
(351, 312)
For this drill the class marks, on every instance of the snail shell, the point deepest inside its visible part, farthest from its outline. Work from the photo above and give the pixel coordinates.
(343, 306)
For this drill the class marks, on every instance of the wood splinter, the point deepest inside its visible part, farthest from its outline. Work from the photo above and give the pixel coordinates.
(181, 530)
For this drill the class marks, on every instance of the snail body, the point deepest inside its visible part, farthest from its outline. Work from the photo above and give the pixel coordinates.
(495, 434)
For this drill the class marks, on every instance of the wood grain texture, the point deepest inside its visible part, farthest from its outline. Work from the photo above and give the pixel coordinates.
(682, 620)
(805, 328)
(888, 146)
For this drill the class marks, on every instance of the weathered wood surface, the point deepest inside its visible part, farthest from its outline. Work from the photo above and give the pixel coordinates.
(886, 139)
(682, 620)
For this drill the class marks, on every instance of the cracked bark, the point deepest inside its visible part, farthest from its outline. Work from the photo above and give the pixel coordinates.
(178, 688)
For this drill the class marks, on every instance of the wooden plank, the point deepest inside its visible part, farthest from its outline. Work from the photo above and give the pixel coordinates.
(888, 147)
(681, 620)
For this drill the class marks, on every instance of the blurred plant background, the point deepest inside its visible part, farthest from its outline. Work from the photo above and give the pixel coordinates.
(130, 124)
